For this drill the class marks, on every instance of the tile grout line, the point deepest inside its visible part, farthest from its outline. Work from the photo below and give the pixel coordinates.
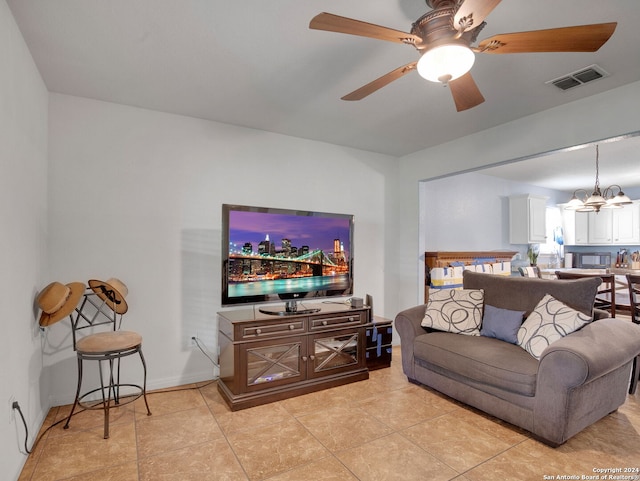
(224, 435)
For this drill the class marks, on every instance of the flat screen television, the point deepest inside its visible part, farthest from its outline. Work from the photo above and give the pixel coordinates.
(273, 255)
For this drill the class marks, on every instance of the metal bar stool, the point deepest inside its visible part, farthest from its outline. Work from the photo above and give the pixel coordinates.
(104, 304)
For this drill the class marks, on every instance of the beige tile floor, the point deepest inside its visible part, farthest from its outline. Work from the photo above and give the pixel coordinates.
(380, 429)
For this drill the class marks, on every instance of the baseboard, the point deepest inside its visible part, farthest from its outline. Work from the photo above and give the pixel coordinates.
(152, 385)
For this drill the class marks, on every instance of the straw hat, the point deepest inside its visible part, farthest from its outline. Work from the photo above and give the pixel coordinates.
(57, 301)
(112, 292)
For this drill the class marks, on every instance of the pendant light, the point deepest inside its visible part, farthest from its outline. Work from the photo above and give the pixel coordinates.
(607, 199)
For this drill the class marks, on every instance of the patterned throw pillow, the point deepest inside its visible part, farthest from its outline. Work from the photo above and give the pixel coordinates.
(550, 321)
(454, 310)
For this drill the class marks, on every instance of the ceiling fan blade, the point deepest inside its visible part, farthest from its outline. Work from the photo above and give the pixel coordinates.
(335, 23)
(581, 38)
(472, 13)
(466, 93)
(377, 84)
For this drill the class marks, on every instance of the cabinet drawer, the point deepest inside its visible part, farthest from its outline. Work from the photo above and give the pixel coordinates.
(256, 331)
(350, 319)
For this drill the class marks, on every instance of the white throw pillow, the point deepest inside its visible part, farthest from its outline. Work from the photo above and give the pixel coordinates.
(454, 310)
(550, 321)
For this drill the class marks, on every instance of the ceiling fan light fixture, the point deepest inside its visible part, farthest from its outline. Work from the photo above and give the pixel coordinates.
(445, 62)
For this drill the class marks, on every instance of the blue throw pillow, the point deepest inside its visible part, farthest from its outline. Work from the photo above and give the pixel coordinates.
(501, 323)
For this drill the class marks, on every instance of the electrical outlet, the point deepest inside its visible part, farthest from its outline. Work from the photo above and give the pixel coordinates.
(12, 415)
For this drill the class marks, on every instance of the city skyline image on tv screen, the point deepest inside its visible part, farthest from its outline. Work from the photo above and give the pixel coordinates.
(275, 253)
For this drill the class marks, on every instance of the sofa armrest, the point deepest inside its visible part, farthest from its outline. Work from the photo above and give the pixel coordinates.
(570, 364)
(408, 325)
(597, 349)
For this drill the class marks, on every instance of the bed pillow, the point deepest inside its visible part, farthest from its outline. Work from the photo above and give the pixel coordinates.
(501, 323)
(454, 310)
(550, 321)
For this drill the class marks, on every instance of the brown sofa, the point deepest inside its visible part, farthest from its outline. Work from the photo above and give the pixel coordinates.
(579, 379)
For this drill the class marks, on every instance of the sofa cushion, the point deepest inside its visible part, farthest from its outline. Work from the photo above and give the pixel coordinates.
(483, 360)
(454, 310)
(524, 293)
(550, 320)
(501, 323)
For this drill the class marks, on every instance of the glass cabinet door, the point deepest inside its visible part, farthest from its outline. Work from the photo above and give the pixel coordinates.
(273, 363)
(336, 351)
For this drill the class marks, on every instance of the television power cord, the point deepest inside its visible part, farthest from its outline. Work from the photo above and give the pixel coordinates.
(16, 406)
(198, 343)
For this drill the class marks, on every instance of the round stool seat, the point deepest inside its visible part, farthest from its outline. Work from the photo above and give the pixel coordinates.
(111, 341)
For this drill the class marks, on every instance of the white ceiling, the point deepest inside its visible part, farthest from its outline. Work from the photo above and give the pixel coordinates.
(255, 63)
(575, 168)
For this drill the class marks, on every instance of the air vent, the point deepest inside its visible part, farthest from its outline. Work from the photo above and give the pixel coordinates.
(579, 77)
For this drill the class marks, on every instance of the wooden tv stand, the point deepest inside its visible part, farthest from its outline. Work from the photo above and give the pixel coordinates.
(266, 358)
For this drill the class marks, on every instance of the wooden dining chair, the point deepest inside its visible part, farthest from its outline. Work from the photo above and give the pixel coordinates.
(606, 296)
(530, 271)
(633, 281)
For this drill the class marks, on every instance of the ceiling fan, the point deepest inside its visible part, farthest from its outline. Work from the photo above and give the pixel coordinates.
(444, 38)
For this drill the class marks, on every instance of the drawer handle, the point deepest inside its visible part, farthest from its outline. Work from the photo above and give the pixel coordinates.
(258, 332)
(312, 357)
(291, 327)
(324, 323)
(351, 319)
(304, 358)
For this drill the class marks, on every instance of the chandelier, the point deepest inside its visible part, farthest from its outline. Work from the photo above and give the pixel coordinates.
(610, 198)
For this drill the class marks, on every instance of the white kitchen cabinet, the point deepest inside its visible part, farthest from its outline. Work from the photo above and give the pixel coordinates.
(581, 228)
(625, 224)
(527, 219)
(568, 224)
(575, 226)
(600, 231)
(607, 227)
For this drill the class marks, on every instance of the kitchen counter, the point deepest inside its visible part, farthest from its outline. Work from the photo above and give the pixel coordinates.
(618, 271)
(550, 271)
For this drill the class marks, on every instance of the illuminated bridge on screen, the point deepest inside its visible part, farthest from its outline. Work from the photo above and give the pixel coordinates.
(252, 267)
(316, 257)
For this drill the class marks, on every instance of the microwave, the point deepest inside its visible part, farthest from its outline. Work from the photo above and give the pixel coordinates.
(592, 260)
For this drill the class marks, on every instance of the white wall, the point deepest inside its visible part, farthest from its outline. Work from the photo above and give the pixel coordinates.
(137, 195)
(23, 215)
(602, 116)
(470, 212)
